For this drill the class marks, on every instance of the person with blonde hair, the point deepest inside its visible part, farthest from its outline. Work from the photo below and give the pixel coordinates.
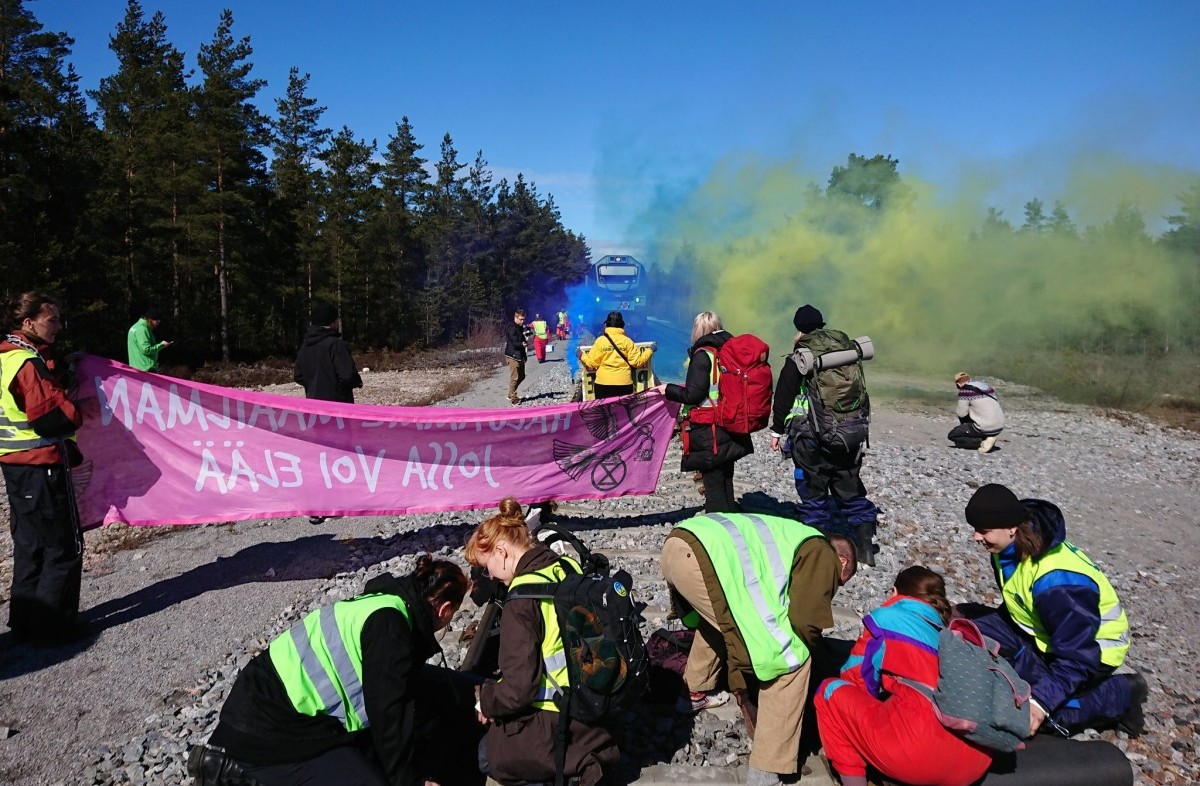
(869, 715)
(707, 448)
(519, 746)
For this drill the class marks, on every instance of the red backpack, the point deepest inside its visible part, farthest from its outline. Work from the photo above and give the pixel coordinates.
(743, 387)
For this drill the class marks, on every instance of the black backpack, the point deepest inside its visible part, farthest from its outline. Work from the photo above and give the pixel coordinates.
(600, 620)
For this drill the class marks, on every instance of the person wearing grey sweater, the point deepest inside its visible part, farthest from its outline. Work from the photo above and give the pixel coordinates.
(980, 417)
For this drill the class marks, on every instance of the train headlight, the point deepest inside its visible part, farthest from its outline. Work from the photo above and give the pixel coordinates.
(597, 300)
(637, 300)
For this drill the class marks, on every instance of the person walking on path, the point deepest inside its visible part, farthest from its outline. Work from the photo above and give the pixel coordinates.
(827, 472)
(142, 345)
(345, 695)
(980, 418)
(324, 365)
(707, 448)
(1061, 624)
(613, 357)
(541, 334)
(519, 747)
(869, 715)
(514, 354)
(37, 454)
(757, 619)
(563, 328)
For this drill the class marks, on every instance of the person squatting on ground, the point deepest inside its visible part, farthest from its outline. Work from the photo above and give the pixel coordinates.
(37, 452)
(1061, 625)
(707, 448)
(762, 628)
(142, 346)
(345, 696)
(868, 716)
(519, 745)
(541, 334)
(613, 357)
(514, 354)
(832, 495)
(980, 418)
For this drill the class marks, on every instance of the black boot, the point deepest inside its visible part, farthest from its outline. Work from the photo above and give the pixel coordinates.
(211, 766)
(864, 543)
(1133, 720)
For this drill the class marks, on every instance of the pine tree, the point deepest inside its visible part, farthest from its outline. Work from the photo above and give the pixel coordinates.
(146, 112)
(298, 142)
(348, 202)
(232, 131)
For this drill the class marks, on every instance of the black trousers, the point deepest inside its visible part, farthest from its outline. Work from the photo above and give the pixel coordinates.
(718, 489)
(967, 435)
(612, 391)
(47, 549)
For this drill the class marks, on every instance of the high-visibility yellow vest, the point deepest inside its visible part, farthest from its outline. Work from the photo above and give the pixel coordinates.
(1113, 634)
(320, 659)
(753, 558)
(554, 654)
(714, 394)
(15, 432)
(539, 328)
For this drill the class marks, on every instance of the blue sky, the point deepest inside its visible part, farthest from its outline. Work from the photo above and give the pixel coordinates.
(611, 106)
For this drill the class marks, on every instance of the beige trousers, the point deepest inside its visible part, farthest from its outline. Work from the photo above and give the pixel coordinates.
(780, 701)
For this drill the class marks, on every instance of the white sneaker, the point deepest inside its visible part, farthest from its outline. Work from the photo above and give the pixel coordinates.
(697, 701)
(987, 445)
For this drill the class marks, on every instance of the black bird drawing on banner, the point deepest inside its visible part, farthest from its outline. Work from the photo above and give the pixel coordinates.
(600, 419)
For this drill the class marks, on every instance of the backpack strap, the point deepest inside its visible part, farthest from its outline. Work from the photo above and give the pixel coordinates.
(619, 352)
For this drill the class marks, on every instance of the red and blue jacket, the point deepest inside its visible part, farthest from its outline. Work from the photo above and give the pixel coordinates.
(899, 639)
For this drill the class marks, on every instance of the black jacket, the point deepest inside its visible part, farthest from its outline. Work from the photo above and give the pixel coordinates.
(259, 725)
(514, 342)
(324, 366)
(730, 447)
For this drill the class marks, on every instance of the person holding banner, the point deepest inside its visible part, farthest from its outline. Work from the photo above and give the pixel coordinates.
(37, 451)
(345, 695)
(519, 747)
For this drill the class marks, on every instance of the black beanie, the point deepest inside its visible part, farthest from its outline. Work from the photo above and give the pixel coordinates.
(808, 319)
(323, 313)
(995, 507)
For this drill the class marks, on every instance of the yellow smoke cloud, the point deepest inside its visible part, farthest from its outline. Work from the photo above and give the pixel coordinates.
(921, 276)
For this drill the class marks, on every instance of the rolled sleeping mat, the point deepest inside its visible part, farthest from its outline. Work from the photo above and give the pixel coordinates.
(863, 350)
(1048, 760)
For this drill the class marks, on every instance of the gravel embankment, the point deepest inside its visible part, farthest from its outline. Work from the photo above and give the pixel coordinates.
(182, 614)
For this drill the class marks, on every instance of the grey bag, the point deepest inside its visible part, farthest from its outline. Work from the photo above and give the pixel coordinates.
(979, 695)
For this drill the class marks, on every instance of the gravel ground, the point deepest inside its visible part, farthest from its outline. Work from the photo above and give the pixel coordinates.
(180, 614)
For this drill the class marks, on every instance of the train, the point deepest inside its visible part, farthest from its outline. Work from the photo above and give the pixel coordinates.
(617, 282)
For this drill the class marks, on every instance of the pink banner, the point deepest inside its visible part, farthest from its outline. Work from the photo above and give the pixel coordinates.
(168, 451)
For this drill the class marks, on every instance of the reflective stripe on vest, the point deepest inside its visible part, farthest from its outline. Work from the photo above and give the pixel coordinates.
(714, 394)
(554, 656)
(15, 432)
(1113, 634)
(319, 660)
(753, 557)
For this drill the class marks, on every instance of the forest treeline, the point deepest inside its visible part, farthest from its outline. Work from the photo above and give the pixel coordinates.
(166, 184)
(176, 191)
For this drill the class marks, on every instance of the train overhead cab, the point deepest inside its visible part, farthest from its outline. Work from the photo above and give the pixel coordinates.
(618, 283)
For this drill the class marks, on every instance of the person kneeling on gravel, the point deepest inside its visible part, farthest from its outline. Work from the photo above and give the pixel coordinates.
(1061, 626)
(765, 633)
(523, 717)
(345, 696)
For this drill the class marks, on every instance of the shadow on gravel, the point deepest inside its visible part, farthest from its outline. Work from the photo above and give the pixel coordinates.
(624, 522)
(314, 557)
(20, 658)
